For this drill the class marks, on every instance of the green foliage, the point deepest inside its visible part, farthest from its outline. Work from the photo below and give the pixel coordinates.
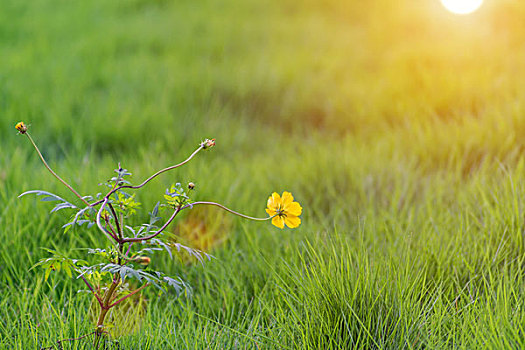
(176, 196)
(59, 261)
(126, 204)
(119, 262)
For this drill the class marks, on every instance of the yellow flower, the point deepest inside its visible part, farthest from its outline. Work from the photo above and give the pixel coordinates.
(21, 127)
(284, 210)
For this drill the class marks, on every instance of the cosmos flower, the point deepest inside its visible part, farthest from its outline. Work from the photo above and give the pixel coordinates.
(284, 210)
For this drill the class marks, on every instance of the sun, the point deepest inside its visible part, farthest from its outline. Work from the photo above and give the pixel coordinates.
(462, 7)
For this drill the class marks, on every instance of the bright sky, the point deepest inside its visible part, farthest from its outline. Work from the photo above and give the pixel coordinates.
(462, 7)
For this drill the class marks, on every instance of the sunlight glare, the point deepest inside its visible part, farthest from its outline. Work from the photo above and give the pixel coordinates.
(462, 7)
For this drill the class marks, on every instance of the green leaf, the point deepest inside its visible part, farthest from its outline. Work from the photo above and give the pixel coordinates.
(48, 271)
(177, 196)
(67, 269)
(48, 196)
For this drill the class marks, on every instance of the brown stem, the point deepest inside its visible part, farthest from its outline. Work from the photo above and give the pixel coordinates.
(105, 304)
(129, 295)
(166, 169)
(129, 249)
(111, 230)
(119, 230)
(99, 225)
(178, 209)
(81, 337)
(227, 209)
(159, 231)
(149, 178)
(52, 172)
(92, 291)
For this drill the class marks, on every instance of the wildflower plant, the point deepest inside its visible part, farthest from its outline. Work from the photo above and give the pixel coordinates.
(106, 271)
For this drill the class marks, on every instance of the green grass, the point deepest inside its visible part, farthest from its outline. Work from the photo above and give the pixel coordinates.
(398, 128)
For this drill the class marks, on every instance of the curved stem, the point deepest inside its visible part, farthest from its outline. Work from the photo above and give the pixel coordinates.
(92, 290)
(119, 231)
(51, 170)
(178, 209)
(159, 231)
(111, 231)
(129, 295)
(228, 210)
(99, 224)
(166, 169)
(151, 177)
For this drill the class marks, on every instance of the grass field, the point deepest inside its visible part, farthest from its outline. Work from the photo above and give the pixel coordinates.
(400, 128)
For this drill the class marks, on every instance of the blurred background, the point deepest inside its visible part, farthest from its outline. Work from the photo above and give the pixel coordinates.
(342, 67)
(396, 124)
(141, 71)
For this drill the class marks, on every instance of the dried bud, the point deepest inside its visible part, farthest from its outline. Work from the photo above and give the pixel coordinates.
(21, 127)
(207, 143)
(191, 186)
(143, 260)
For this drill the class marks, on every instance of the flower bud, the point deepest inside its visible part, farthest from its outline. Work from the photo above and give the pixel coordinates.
(143, 260)
(207, 143)
(21, 127)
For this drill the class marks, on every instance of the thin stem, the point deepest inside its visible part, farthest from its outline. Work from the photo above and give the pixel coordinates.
(99, 213)
(227, 209)
(121, 225)
(128, 250)
(127, 296)
(178, 209)
(111, 230)
(92, 290)
(159, 231)
(149, 178)
(52, 172)
(116, 220)
(167, 169)
(71, 339)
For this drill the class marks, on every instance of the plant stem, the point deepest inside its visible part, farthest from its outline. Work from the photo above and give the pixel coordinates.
(105, 304)
(149, 178)
(129, 295)
(99, 224)
(111, 231)
(227, 209)
(52, 172)
(159, 231)
(178, 209)
(119, 230)
(104, 308)
(166, 169)
(92, 291)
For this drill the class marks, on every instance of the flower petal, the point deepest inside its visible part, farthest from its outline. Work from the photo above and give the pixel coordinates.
(292, 221)
(271, 212)
(294, 209)
(274, 201)
(278, 221)
(287, 198)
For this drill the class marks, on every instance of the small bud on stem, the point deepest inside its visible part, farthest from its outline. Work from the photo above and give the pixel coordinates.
(143, 260)
(21, 127)
(207, 143)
